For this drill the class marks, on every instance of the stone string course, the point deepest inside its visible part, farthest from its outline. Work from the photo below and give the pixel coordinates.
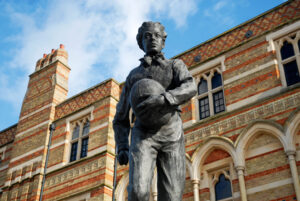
(75, 172)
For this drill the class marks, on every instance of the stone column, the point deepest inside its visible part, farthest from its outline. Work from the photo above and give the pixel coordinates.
(154, 195)
(293, 167)
(196, 189)
(240, 172)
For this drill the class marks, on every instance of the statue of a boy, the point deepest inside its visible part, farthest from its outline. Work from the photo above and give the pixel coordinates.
(154, 90)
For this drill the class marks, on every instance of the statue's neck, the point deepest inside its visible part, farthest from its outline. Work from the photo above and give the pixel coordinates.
(155, 54)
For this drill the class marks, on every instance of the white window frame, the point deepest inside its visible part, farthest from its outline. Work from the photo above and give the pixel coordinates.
(209, 92)
(273, 39)
(80, 122)
(278, 44)
(212, 173)
(214, 178)
(88, 112)
(200, 71)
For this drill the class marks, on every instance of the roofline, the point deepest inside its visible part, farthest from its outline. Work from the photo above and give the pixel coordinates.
(5, 129)
(234, 28)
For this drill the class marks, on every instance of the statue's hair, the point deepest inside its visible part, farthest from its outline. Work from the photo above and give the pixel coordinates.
(139, 36)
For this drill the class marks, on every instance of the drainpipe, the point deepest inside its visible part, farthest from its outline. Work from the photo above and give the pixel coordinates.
(115, 175)
(52, 129)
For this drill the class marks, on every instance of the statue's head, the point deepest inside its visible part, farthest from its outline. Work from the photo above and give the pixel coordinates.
(151, 37)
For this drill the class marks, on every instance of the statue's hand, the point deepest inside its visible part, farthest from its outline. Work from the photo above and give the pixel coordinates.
(151, 102)
(123, 157)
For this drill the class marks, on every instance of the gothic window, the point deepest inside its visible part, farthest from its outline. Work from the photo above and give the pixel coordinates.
(289, 57)
(79, 139)
(220, 182)
(223, 188)
(210, 94)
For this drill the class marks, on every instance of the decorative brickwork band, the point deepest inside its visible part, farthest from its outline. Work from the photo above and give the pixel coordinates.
(236, 36)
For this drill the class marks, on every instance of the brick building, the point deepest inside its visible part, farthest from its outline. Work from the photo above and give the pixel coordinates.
(242, 130)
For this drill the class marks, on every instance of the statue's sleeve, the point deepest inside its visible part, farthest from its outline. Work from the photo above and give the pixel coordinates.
(185, 86)
(121, 122)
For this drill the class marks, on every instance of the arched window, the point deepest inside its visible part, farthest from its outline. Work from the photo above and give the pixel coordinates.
(286, 50)
(216, 80)
(203, 102)
(202, 87)
(80, 139)
(210, 94)
(289, 49)
(218, 97)
(223, 188)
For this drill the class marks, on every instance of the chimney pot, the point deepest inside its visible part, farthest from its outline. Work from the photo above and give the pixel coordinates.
(61, 46)
(52, 51)
(44, 55)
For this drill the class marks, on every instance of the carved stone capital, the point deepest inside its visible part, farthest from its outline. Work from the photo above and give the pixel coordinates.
(196, 181)
(290, 153)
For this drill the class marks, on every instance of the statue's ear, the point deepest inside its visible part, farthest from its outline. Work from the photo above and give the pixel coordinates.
(163, 45)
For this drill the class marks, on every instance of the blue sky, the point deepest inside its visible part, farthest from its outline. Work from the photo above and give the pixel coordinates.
(99, 36)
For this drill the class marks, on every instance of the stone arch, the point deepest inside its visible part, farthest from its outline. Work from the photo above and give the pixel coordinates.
(290, 129)
(121, 187)
(209, 145)
(267, 126)
(189, 166)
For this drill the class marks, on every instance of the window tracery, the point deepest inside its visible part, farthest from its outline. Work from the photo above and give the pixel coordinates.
(79, 139)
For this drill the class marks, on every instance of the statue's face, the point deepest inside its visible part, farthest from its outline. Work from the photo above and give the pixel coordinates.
(152, 40)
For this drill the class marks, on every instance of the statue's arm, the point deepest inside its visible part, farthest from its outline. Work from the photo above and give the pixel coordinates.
(185, 86)
(121, 122)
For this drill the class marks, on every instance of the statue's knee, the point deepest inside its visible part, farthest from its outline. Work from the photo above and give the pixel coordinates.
(138, 193)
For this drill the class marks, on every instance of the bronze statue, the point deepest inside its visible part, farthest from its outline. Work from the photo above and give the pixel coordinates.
(154, 90)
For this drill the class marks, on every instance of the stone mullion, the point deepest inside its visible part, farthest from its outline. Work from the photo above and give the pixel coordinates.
(210, 98)
(240, 172)
(79, 140)
(196, 183)
(294, 171)
(297, 52)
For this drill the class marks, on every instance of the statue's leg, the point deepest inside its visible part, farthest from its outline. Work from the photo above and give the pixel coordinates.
(141, 166)
(171, 171)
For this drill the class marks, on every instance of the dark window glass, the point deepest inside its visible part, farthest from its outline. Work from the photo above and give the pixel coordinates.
(219, 105)
(216, 80)
(86, 128)
(202, 87)
(204, 108)
(73, 151)
(223, 188)
(75, 133)
(299, 45)
(84, 147)
(286, 50)
(291, 73)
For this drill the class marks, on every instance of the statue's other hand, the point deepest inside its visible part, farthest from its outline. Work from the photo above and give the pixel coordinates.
(123, 157)
(151, 102)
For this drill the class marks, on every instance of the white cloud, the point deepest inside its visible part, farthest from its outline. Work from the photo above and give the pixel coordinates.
(219, 5)
(221, 12)
(99, 36)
